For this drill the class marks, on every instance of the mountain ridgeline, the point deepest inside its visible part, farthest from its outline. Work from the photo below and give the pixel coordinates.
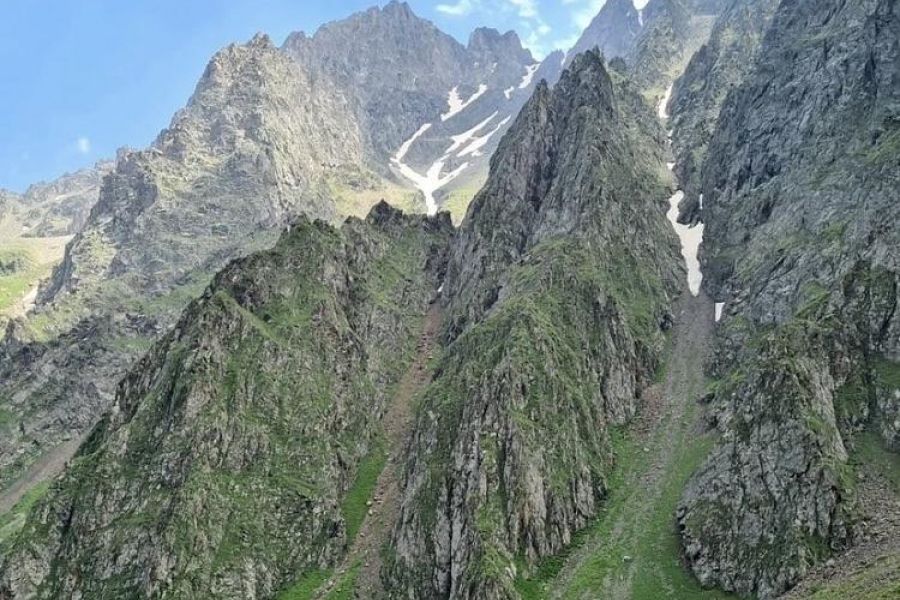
(381, 315)
(269, 134)
(558, 288)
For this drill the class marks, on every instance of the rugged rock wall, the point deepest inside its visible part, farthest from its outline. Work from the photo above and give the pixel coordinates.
(717, 68)
(61, 207)
(656, 42)
(247, 155)
(557, 292)
(221, 469)
(801, 213)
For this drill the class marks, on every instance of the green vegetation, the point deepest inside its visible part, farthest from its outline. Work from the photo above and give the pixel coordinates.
(878, 581)
(19, 272)
(306, 587)
(869, 450)
(633, 543)
(886, 150)
(356, 191)
(354, 506)
(458, 200)
(343, 590)
(887, 374)
(12, 521)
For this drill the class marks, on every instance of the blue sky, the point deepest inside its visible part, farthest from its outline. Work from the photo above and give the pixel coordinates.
(81, 78)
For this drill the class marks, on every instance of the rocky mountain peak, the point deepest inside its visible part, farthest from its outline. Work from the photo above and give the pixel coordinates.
(488, 44)
(614, 30)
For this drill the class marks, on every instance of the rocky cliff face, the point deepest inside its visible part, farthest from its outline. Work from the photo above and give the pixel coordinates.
(654, 43)
(614, 31)
(61, 207)
(250, 152)
(697, 97)
(799, 202)
(222, 469)
(557, 291)
(431, 109)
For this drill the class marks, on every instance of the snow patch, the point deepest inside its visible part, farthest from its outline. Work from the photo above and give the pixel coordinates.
(530, 70)
(460, 140)
(720, 306)
(640, 4)
(690, 237)
(433, 180)
(508, 92)
(457, 105)
(663, 108)
(670, 166)
(641, 17)
(405, 146)
(474, 149)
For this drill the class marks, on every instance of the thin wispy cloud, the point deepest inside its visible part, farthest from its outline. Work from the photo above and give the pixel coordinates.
(458, 9)
(527, 8)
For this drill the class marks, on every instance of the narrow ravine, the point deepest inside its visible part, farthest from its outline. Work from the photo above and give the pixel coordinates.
(632, 550)
(361, 568)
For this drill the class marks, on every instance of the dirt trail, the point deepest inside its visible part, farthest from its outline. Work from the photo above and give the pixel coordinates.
(365, 549)
(47, 467)
(634, 536)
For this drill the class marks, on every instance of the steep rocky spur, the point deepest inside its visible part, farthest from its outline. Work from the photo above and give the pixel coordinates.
(557, 294)
(239, 162)
(225, 466)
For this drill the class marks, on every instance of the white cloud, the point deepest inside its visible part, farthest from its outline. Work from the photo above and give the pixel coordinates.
(83, 145)
(460, 8)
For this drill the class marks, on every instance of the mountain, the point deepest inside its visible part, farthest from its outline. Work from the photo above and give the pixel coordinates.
(225, 466)
(61, 207)
(34, 229)
(656, 42)
(614, 31)
(543, 335)
(431, 109)
(697, 97)
(269, 134)
(801, 213)
(238, 163)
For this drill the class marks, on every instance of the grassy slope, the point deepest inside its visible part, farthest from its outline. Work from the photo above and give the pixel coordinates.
(39, 256)
(632, 549)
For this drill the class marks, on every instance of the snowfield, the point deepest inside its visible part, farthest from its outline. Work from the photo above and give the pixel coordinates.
(457, 105)
(691, 238)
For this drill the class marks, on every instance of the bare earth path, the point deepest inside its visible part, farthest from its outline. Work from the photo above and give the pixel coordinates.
(365, 550)
(632, 552)
(47, 467)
